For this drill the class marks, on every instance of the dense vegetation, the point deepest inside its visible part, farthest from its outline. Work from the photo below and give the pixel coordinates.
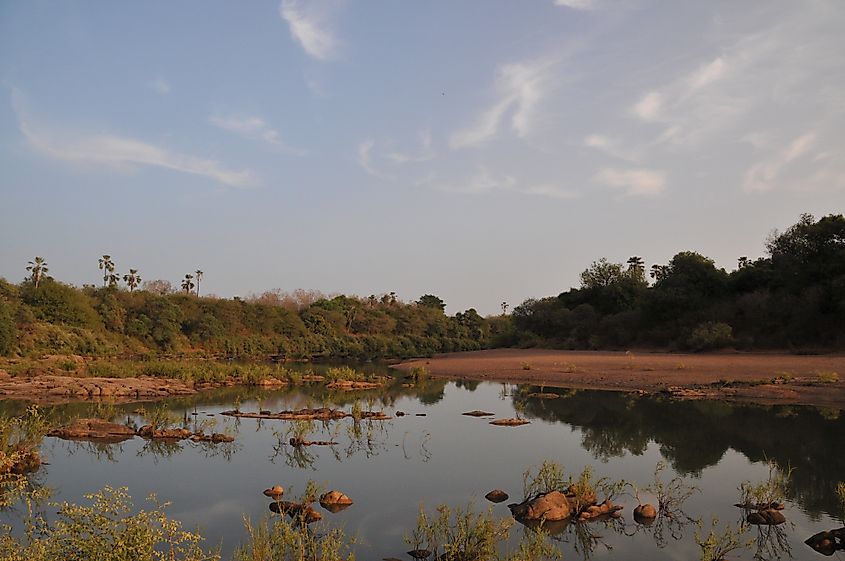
(43, 315)
(793, 298)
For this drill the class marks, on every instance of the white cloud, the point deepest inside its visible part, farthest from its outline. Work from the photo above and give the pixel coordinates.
(611, 146)
(309, 28)
(122, 152)
(160, 86)
(254, 128)
(365, 158)
(576, 4)
(648, 107)
(707, 74)
(425, 153)
(635, 182)
(521, 88)
(763, 175)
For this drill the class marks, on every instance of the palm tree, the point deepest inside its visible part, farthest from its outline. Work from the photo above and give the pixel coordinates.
(659, 272)
(107, 266)
(188, 283)
(38, 267)
(505, 308)
(636, 263)
(133, 279)
(198, 273)
(743, 262)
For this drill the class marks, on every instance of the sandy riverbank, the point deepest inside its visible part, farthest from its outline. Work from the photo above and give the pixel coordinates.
(758, 377)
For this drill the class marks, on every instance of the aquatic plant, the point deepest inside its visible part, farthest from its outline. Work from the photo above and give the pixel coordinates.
(773, 489)
(549, 477)
(670, 495)
(20, 437)
(718, 543)
(459, 534)
(106, 530)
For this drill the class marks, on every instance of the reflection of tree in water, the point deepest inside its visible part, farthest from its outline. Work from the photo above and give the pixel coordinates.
(693, 435)
(366, 437)
(100, 450)
(584, 536)
(771, 542)
(160, 448)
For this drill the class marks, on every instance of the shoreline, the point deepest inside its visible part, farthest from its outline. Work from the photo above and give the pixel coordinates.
(768, 378)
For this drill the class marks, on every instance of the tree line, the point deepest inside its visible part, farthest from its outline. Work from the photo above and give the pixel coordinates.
(793, 298)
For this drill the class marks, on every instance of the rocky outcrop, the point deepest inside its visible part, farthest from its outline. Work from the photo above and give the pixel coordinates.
(513, 422)
(768, 517)
(49, 388)
(829, 542)
(306, 414)
(550, 506)
(297, 511)
(93, 429)
(477, 413)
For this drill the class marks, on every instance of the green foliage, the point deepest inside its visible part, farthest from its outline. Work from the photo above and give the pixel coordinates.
(284, 540)
(718, 543)
(8, 330)
(774, 488)
(711, 335)
(459, 534)
(827, 376)
(19, 438)
(549, 477)
(670, 495)
(344, 373)
(55, 302)
(107, 530)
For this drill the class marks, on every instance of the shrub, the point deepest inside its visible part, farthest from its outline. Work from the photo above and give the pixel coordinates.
(827, 377)
(711, 335)
(7, 330)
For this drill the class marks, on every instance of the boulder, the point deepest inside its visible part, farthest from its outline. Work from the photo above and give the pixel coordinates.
(512, 422)
(496, 496)
(550, 506)
(93, 429)
(645, 514)
(823, 542)
(334, 498)
(275, 491)
(296, 510)
(477, 413)
(419, 553)
(768, 517)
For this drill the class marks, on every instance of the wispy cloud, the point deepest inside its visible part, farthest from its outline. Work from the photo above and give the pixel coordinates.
(365, 159)
(425, 153)
(635, 182)
(611, 146)
(576, 4)
(308, 24)
(484, 181)
(122, 152)
(520, 87)
(648, 107)
(763, 175)
(160, 86)
(254, 128)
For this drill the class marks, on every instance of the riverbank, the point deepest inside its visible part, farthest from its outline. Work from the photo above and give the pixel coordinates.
(754, 377)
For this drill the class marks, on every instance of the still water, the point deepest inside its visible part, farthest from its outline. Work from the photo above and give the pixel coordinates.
(435, 455)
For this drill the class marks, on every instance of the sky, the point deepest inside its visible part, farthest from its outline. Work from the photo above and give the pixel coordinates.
(483, 151)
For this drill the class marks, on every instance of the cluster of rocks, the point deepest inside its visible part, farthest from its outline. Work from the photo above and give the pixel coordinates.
(306, 414)
(766, 514)
(105, 431)
(555, 506)
(332, 501)
(50, 388)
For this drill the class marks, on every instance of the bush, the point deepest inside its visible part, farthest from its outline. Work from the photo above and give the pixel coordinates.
(711, 335)
(7, 330)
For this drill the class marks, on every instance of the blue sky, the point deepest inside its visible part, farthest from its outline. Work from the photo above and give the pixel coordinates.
(481, 151)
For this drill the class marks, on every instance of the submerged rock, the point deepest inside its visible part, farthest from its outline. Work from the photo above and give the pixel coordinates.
(496, 496)
(477, 413)
(768, 517)
(296, 510)
(513, 422)
(419, 553)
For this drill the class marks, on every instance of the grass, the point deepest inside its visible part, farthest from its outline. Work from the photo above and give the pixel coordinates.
(719, 542)
(773, 489)
(459, 534)
(526, 366)
(827, 376)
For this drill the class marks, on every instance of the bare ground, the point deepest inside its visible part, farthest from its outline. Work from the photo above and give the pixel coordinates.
(757, 377)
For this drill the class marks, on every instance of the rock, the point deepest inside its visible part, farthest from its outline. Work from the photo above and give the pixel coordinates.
(334, 498)
(400, 413)
(496, 496)
(645, 514)
(477, 413)
(509, 422)
(550, 506)
(93, 429)
(768, 517)
(296, 510)
(275, 491)
(823, 542)
(419, 553)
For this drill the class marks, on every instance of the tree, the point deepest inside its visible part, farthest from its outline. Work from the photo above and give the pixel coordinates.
(742, 262)
(199, 274)
(158, 286)
(636, 263)
(505, 308)
(659, 272)
(107, 266)
(431, 301)
(600, 274)
(37, 267)
(188, 283)
(133, 279)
